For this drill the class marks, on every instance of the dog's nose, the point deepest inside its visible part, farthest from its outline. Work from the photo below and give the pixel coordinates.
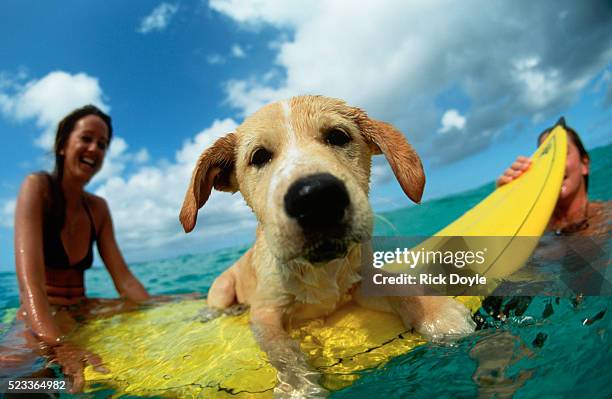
(318, 202)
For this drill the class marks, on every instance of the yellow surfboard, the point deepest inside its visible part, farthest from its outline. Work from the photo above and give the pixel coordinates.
(524, 206)
(510, 214)
(521, 208)
(169, 351)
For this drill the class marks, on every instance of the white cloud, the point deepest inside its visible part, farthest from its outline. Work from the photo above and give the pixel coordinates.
(237, 51)
(12, 81)
(452, 119)
(8, 213)
(118, 158)
(381, 172)
(604, 84)
(142, 156)
(394, 58)
(159, 18)
(49, 99)
(6, 104)
(539, 87)
(277, 12)
(249, 96)
(215, 59)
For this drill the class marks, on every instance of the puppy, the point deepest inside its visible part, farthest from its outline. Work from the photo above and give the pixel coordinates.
(303, 166)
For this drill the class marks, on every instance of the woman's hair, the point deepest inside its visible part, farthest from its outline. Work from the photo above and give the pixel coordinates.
(573, 135)
(66, 126)
(57, 205)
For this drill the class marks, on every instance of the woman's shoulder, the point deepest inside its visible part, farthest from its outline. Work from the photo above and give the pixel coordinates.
(94, 199)
(36, 184)
(38, 178)
(604, 207)
(97, 204)
(599, 216)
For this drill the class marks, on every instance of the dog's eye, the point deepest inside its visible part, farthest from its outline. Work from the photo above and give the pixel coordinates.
(337, 137)
(260, 157)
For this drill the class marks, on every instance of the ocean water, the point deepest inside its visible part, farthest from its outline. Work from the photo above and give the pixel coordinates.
(546, 348)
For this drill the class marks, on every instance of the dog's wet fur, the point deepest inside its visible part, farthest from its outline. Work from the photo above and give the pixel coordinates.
(303, 166)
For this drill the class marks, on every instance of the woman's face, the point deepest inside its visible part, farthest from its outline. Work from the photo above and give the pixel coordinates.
(85, 149)
(576, 167)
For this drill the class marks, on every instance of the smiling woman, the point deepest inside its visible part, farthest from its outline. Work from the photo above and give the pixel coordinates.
(574, 213)
(56, 224)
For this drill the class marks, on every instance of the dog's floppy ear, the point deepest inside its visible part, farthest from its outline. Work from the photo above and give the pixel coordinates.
(215, 168)
(383, 138)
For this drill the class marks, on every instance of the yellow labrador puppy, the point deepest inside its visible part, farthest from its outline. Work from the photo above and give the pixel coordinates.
(303, 166)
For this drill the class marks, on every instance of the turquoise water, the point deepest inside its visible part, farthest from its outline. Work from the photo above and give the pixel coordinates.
(547, 347)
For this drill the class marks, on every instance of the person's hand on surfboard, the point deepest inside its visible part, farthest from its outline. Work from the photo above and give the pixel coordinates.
(73, 360)
(515, 170)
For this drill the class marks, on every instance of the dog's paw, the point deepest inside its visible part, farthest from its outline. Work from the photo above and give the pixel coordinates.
(209, 313)
(450, 319)
(236, 309)
(295, 382)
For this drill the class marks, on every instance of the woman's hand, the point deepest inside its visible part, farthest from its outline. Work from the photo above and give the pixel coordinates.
(514, 171)
(73, 360)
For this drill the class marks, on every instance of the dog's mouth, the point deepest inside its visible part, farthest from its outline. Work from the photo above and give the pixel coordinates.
(322, 249)
(326, 250)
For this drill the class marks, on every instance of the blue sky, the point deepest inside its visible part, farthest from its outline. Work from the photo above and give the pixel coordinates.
(469, 90)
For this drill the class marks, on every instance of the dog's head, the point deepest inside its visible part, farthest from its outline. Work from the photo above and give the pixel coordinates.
(303, 166)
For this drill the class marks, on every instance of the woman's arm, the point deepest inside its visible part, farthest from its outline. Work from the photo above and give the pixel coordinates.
(127, 285)
(30, 267)
(29, 259)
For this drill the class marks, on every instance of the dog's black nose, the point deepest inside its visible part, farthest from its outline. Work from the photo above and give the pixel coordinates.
(318, 202)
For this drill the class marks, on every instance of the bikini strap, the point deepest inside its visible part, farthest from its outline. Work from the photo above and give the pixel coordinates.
(94, 235)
